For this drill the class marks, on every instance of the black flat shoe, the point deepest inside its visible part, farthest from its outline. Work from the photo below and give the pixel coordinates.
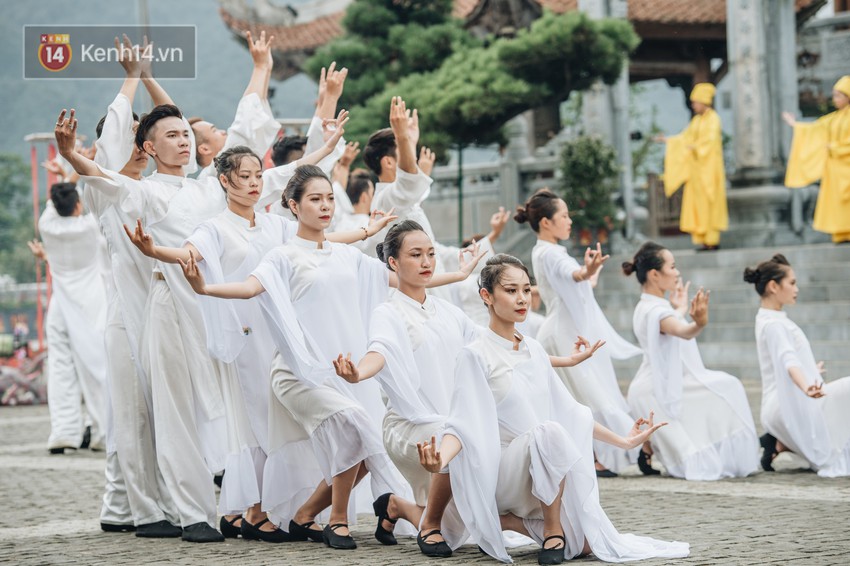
(768, 443)
(201, 532)
(304, 532)
(380, 506)
(434, 549)
(334, 540)
(228, 529)
(86, 439)
(606, 474)
(552, 555)
(645, 464)
(254, 532)
(160, 529)
(110, 528)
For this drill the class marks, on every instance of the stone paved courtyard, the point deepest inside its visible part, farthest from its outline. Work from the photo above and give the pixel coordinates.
(51, 505)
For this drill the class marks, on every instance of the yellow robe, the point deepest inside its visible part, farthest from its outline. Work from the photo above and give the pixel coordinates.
(821, 150)
(695, 158)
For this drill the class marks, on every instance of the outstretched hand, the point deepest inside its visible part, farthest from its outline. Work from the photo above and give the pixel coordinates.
(333, 128)
(346, 369)
(593, 259)
(475, 252)
(638, 435)
(429, 456)
(141, 239)
(193, 275)
(260, 49)
(815, 391)
(582, 349)
(378, 220)
(679, 297)
(699, 307)
(65, 133)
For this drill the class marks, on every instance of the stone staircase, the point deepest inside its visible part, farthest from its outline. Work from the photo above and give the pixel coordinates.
(728, 343)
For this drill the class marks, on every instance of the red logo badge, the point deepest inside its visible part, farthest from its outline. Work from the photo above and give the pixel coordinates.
(54, 51)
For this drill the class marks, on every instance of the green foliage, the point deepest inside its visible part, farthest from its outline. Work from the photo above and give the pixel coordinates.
(589, 176)
(16, 223)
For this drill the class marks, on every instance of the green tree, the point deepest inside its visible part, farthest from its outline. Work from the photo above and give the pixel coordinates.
(468, 99)
(16, 222)
(588, 178)
(385, 40)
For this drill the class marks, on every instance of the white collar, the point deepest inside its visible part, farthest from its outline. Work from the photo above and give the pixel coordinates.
(165, 178)
(239, 220)
(310, 244)
(770, 313)
(504, 344)
(428, 306)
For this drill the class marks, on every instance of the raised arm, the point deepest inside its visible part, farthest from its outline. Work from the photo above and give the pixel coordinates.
(369, 366)
(144, 242)
(247, 289)
(674, 326)
(331, 84)
(130, 59)
(65, 133)
(261, 54)
(342, 168)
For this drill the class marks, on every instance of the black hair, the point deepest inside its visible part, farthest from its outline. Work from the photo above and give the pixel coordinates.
(379, 145)
(495, 267)
(285, 147)
(228, 161)
(359, 182)
(774, 269)
(99, 128)
(391, 246)
(542, 204)
(298, 183)
(468, 242)
(64, 197)
(149, 120)
(647, 258)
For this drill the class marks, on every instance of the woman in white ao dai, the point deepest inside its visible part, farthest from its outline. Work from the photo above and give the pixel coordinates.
(799, 411)
(711, 433)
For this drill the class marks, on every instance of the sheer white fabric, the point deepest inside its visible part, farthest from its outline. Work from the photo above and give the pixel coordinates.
(816, 429)
(571, 311)
(523, 434)
(711, 434)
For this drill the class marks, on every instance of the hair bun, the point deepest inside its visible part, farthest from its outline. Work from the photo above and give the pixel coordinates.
(521, 215)
(379, 250)
(751, 275)
(628, 268)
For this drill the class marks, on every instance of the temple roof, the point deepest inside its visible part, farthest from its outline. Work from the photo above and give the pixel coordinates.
(303, 34)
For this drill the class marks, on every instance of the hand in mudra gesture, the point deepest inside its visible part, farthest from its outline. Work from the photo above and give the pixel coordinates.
(346, 369)
(141, 239)
(429, 456)
(638, 435)
(815, 391)
(593, 259)
(193, 275)
(679, 296)
(699, 307)
(582, 349)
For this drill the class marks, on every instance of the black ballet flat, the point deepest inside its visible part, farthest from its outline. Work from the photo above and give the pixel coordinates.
(254, 532)
(334, 540)
(606, 474)
(201, 532)
(158, 529)
(434, 549)
(645, 464)
(112, 528)
(552, 555)
(86, 439)
(382, 535)
(228, 529)
(768, 443)
(303, 532)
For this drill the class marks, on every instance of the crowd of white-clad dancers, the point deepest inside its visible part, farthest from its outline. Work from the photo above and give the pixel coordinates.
(298, 328)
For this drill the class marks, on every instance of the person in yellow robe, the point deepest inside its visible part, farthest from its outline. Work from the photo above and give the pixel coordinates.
(820, 150)
(694, 159)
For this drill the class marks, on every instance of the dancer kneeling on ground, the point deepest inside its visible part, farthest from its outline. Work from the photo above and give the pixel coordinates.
(711, 433)
(799, 412)
(520, 449)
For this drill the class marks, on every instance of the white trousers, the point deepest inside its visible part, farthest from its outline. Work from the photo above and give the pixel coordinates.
(176, 416)
(69, 383)
(132, 443)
